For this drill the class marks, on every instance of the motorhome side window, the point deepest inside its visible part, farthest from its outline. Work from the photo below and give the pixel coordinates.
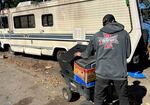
(24, 21)
(47, 20)
(3, 22)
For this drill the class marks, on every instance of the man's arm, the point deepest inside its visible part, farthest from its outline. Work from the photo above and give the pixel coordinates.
(88, 51)
(128, 44)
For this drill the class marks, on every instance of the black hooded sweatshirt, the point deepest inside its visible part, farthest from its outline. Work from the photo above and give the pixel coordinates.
(112, 48)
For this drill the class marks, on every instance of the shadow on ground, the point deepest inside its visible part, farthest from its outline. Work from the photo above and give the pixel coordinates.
(136, 93)
(25, 101)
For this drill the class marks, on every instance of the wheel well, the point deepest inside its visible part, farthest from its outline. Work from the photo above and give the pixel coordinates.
(58, 49)
(6, 47)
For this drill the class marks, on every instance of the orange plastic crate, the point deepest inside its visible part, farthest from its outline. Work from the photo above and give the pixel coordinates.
(87, 75)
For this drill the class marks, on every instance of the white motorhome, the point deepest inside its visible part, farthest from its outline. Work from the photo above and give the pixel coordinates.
(51, 27)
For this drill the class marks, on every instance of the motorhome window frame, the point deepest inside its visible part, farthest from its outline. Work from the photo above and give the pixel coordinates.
(28, 23)
(3, 22)
(47, 20)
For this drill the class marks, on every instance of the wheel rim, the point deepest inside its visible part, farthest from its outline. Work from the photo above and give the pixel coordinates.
(59, 53)
(66, 95)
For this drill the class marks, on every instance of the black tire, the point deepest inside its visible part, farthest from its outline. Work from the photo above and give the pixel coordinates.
(67, 94)
(8, 51)
(59, 53)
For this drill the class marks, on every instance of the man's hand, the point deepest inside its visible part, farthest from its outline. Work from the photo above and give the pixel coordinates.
(77, 54)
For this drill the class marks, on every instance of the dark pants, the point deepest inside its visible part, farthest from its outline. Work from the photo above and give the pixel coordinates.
(101, 86)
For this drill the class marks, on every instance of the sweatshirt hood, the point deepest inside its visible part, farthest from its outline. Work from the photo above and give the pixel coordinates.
(112, 28)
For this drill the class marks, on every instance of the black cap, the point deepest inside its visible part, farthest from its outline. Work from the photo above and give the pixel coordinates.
(109, 18)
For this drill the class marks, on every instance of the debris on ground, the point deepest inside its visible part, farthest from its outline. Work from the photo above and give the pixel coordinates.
(48, 70)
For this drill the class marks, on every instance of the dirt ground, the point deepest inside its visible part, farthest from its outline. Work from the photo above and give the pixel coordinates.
(33, 80)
